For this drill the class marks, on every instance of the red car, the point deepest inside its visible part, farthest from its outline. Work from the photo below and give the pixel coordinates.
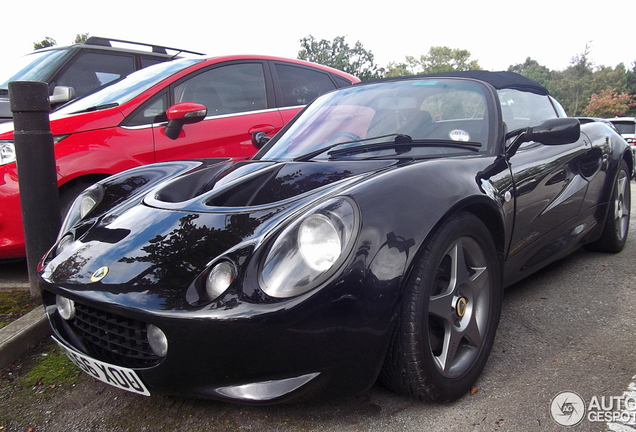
(183, 109)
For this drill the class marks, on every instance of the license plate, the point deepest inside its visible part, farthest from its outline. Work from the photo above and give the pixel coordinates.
(117, 376)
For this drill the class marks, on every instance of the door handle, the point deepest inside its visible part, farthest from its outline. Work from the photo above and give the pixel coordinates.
(268, 129)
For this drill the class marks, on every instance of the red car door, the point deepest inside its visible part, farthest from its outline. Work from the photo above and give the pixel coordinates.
(236, 97)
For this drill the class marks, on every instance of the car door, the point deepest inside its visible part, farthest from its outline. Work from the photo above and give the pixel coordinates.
(240, 101)
(549, 191)
(297, 85)
(549, 186)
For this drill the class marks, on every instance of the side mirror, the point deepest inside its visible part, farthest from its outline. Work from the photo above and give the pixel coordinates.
(259, 139)
(181, 114)
(557, 131)
(61, 94)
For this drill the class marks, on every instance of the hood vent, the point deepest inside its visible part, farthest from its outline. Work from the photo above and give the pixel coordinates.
(192, 184)
(285, 181)
(256, 183)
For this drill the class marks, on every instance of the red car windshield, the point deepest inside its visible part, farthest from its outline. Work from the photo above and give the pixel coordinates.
(128, 88)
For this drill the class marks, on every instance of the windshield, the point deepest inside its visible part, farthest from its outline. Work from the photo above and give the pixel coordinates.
(129, 87)
(411, 118)
(31, 67)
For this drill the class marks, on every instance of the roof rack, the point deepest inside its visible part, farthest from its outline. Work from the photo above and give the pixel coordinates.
(96, 40)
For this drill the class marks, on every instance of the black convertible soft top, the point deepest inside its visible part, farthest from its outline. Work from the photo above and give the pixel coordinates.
(499, 80)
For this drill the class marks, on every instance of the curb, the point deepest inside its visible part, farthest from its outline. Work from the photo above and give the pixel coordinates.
(23, 334)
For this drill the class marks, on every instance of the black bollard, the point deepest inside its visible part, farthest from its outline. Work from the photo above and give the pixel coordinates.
(37, 177)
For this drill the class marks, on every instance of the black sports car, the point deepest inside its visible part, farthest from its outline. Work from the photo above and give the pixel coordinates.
(371, 238)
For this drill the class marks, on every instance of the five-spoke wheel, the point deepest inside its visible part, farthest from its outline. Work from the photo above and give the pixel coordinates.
(449, 313)
(616, 226)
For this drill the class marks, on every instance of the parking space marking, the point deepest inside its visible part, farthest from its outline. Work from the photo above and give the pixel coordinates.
(630, 425)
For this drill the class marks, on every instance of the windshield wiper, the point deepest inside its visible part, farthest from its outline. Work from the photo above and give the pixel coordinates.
(406, 142)
(99, 107)
(314, 153)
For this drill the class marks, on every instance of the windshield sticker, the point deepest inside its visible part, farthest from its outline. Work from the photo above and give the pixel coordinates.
(427, 82)
(459, 135)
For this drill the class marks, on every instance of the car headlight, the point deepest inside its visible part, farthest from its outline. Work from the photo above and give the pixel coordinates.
(83, 204)
(66, 241)
(7, 152)
(219, 279)
(7, 149)
(310, 249)
(319, 242)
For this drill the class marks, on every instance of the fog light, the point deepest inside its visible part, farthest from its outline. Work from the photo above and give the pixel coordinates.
(65, 307)
(157, 340)
(219, 279)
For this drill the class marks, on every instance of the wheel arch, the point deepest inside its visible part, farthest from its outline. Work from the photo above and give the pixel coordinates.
(608, 190)
(628, 157)
(74, 187)
(87, 179)
(487, 211)
(491, 218)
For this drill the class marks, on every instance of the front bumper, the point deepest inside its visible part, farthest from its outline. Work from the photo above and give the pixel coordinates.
(246, 355)
(11, 229)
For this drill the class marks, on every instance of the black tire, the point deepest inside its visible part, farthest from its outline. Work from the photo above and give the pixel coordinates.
(616, 226)
(420, 361)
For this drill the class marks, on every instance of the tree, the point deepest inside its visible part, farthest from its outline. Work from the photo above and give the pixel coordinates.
(80, 38)
(572, 86)
(609, 104)
(599, 89)
(608, 77)
(338, 54)
(397, 69)
(533, 70)
(630, 85)
(443, 59)
(438, 59)
(47, 42)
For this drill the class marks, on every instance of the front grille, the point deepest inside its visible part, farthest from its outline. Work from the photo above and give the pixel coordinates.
(113, 338)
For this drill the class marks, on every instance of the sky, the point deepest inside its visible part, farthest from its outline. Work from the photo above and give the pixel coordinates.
(497, 33)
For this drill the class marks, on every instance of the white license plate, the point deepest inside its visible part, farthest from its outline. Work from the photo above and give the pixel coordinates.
(117, 376)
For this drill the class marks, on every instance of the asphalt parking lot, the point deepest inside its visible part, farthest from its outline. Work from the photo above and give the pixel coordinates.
(568, 328)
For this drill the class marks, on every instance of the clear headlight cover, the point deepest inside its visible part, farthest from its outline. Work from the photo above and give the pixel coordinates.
(311, 249)
(219, 279)
(83, 204)
(66, 241)
(7, 152)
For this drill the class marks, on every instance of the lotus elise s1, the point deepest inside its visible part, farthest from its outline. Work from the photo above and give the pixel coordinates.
(371, 238)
